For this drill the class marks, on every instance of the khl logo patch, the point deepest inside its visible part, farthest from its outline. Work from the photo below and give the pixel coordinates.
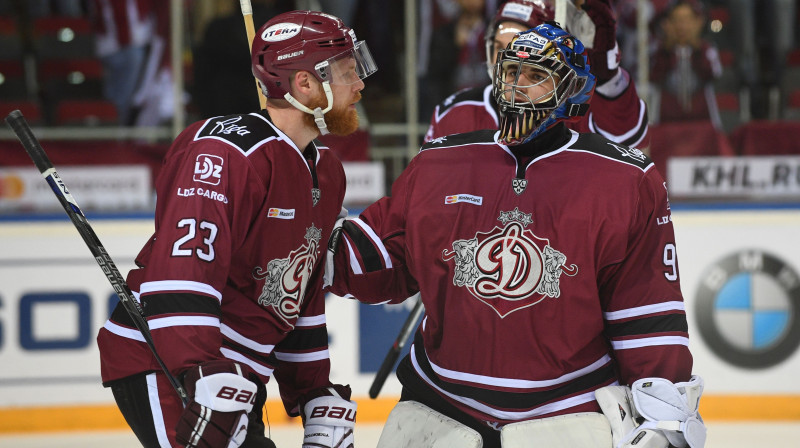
(519, 185)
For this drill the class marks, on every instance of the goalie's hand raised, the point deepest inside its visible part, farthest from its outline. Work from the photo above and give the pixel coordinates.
(595, 25)
(328, 418)
(220, 398)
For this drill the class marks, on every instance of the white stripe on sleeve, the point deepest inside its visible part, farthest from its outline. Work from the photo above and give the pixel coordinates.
(302, 357)
(650, 342)
(179, 285)
(644, 310)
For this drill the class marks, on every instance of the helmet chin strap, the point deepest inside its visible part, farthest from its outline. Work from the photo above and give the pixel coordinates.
(318, 113)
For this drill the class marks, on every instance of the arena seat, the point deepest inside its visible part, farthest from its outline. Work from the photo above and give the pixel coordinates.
(59, 37)
(85, 112)
(793, 106)
(10, 43)
(31, 110)
(686, 139)
(729, 113)
(12, 80)
(763, 137)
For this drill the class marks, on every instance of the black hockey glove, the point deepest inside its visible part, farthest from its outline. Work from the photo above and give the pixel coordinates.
(333, 244)
(328, 417)
(602, 46)
(221, 396)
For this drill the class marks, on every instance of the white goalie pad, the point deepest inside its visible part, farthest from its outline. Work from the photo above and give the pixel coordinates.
(669, 412)
(412, 424)
(672, 408)
(586, 430)
(616, 402)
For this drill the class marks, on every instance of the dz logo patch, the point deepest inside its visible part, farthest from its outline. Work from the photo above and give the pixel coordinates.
(519, 185)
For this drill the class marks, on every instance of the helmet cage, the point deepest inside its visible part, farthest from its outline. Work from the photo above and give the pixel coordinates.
(515, 68)
(549, 49)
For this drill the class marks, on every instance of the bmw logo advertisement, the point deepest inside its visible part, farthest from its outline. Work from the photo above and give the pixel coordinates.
(748, 309)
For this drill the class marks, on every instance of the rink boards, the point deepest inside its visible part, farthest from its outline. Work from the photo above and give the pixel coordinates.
(739, 274)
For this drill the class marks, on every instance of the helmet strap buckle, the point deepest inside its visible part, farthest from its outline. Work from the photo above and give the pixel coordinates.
(320, 120)
(318, 113)
(577, 110)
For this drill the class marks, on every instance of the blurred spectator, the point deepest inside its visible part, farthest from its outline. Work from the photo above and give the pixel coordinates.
(124, 30)
(456, 57)
(763, 34)
(381, 23)
(343, 9)
(42, 8)
(684, 67)
(133, 45)
(223, 82)
(627, 33)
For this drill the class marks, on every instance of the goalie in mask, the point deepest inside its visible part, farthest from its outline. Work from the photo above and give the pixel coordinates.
(554, 315)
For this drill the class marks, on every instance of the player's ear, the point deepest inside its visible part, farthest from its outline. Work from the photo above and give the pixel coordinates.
(304, 83)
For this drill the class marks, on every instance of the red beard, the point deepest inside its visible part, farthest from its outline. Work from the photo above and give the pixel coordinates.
(340, 122)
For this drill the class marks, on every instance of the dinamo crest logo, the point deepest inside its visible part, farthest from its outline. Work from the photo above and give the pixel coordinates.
(509, 268)
(286, 278)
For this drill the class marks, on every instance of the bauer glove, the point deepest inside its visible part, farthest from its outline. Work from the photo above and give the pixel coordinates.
(220, 398)
(328, 417)
(654, 413)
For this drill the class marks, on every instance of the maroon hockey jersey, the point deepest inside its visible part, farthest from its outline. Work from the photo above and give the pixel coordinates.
(547, 271)
(622, 119)
(233, 269)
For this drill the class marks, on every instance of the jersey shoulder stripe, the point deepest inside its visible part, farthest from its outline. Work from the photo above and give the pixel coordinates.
(369, 253)
(244, 132)
(601, 146)
(481, 137)
(471, 95)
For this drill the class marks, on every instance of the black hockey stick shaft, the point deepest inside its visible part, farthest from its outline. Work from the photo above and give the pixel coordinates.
(25, 135)
(396, 349)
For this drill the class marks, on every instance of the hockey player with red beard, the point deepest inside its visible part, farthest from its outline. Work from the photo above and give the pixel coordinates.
(616, 112)
(546, 262)
(230, 281)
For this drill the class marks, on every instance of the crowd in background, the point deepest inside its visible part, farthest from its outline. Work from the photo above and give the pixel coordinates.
(727, 62)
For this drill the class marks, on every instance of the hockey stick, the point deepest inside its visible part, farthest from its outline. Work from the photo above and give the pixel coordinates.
(25, 135)
(561, 13)
(247, 13)
(396, 349)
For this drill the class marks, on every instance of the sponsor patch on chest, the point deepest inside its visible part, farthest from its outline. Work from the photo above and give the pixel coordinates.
(280, 213)
(468, 198)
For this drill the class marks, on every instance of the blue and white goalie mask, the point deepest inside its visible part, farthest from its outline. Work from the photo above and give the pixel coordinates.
(541, 78)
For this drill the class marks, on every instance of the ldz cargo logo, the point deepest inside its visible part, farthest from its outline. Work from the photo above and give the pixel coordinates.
(748, 309)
